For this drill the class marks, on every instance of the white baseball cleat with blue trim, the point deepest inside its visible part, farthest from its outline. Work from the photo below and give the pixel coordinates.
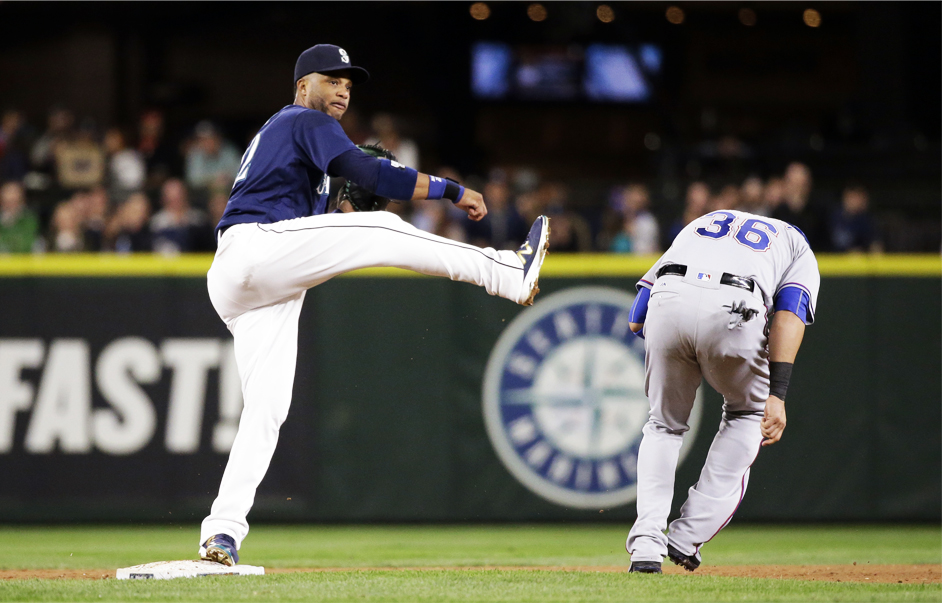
(532, 253)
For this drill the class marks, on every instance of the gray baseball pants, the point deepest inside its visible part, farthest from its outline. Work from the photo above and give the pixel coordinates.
(692, 333)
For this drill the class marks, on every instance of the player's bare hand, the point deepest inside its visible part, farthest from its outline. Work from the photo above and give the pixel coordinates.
(473, 204)
(773, 423)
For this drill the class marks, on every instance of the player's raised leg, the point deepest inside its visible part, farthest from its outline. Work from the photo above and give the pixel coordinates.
(295, 255)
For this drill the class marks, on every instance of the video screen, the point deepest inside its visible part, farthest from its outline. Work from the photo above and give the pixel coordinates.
(596, 72)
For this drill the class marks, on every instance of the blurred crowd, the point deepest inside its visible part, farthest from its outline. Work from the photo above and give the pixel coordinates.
(74, 187)
(626, 223)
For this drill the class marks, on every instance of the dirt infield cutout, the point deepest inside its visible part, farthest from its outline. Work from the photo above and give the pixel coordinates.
(902, 574)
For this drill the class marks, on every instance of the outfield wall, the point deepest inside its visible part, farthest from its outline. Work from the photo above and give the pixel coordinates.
(119, 397)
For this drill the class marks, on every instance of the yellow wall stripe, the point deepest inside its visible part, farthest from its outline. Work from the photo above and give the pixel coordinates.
(569, 265)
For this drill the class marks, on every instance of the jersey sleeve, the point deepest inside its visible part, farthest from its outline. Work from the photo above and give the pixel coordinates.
(355, 165)
(381, 176)
(647, 281)
(798, 289)
(320, 138)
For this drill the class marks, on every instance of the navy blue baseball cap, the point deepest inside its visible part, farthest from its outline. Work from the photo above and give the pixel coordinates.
(325, 58)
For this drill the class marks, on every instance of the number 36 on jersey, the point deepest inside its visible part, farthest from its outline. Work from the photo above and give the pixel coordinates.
(751, 232)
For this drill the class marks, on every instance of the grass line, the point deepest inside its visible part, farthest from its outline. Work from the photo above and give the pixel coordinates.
(419, 563)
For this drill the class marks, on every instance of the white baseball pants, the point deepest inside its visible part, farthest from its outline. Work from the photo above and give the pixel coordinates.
(257, 284)
(688, 337)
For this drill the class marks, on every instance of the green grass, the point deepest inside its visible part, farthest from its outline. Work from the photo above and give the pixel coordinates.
(407, 546)
(424, 546)
(475, 585)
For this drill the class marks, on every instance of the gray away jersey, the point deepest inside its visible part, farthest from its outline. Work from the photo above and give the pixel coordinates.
(775, 254)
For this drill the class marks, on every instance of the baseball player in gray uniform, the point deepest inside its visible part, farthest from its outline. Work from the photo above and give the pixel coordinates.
(728, 302)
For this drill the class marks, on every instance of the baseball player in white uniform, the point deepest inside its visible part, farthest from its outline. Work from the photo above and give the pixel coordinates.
(277, 240)
(728, 302)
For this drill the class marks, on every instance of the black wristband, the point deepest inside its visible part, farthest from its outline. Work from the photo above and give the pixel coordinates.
(453, 190)
(780, 373)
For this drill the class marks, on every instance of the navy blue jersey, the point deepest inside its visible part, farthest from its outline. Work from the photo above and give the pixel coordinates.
(284, 172)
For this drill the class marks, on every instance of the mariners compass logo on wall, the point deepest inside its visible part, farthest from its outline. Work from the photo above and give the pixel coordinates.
(564, 399)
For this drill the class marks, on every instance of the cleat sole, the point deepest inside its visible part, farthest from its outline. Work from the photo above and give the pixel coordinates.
(678, 558)
(217, 555)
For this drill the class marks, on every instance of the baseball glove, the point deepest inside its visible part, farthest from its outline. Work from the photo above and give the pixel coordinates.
(361, 199)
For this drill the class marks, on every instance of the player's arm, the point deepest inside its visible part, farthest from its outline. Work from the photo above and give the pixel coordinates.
(793, 307)
(327, 146)
(785, 335)
(470, 201)
(393, 180)
(639, 310)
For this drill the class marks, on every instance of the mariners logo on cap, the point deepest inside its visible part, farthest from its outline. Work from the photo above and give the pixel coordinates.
(344, 56)
(564, 399)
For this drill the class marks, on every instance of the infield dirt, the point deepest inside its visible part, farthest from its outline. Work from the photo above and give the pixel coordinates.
(867, 573)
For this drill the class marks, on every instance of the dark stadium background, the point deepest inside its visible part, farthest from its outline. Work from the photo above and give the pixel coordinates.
(865, 83)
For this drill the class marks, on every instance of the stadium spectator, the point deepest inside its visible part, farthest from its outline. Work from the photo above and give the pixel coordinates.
(14, 146)
(773, 195)
(611, 220)
(58, 129)
(639, 233)
(570, 231)
(18, 225)
(159, 155)
(211, 161)
(387, 131)
(502, 227)
(727, 198)
(530, 205)
(80, 160)
(95, 215)
(66, 228)
(751, 197)
(564, 236)
(852, 227)
(695, 205)
(179, 228)
(128, 229)
(126, 168)
(797, 211)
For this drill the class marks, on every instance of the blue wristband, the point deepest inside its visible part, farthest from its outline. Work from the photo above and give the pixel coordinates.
(444, 188)
(436, 187)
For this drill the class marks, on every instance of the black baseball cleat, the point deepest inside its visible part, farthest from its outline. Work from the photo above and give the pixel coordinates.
(645, 567)
(688, 562)
(220, 548)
